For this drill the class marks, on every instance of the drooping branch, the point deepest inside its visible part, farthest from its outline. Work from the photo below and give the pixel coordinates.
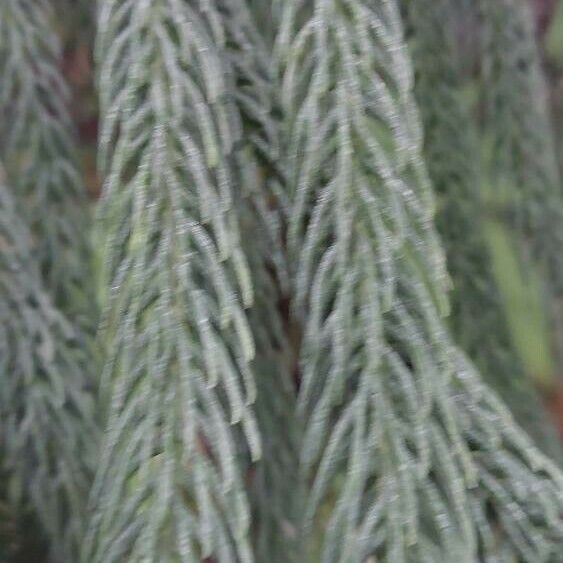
(411, 457)
(178, 376)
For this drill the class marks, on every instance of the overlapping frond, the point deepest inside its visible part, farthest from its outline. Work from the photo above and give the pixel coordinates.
(38, 145)
(171, 480)
(523, 165)
(275, 490)
(275, 487)
(48, 439)
(411, 457)
(451, 151)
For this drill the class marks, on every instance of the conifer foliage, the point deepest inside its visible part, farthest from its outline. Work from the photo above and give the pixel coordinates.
(49, 434)
(275, 492)
(170, 483)
(38, 146)
(418, 460)
(279, 382)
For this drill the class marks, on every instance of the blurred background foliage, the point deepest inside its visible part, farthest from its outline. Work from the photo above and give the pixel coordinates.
(533, 310)
(535, 320)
